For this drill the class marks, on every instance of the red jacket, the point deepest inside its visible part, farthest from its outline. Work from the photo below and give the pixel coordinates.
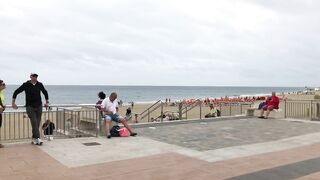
(273, 101)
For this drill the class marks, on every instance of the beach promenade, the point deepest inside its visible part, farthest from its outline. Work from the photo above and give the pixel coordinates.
(221, 148)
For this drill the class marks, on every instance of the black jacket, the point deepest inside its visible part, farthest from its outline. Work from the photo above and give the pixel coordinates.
(33, 96)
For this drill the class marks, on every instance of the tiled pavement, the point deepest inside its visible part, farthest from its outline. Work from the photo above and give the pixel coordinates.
(150, 157)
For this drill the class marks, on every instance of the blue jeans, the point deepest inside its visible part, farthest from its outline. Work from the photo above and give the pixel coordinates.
(113, 117)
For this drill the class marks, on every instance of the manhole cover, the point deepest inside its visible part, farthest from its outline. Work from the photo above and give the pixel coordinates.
(91, 144)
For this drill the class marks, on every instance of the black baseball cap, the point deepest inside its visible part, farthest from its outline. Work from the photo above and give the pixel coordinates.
(34, 74)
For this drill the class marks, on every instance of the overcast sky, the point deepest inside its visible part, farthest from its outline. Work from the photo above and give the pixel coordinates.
(161, 42)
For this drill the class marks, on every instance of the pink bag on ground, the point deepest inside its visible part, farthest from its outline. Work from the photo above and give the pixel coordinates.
(124, 132)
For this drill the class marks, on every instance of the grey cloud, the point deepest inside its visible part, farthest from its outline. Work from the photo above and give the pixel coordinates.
(160, 43)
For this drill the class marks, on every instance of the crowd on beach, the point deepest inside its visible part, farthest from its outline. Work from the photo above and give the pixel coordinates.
(222, 100)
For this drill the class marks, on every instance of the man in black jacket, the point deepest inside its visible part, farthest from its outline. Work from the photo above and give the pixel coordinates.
(32, 89)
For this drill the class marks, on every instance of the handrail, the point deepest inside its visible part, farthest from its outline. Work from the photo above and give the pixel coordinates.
(150, 107)
(150, 111)
(194, 104)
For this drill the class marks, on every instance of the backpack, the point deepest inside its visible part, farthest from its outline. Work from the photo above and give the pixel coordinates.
(124, 132)
(218, 113)
(114, 131)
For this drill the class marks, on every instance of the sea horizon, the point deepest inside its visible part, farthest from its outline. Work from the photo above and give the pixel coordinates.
(87, 94)
(166, 85)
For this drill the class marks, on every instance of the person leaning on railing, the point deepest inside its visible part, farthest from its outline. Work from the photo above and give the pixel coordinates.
(2, 105)
(32, 90)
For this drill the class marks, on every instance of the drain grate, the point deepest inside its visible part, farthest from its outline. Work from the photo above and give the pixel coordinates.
(91, 144)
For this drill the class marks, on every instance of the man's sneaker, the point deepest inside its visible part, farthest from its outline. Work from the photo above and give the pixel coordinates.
(109, 136)
(39, 141)
(34, 141)
(133, 134)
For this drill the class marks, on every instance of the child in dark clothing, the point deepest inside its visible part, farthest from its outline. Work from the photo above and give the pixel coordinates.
(101, 96)
(48, 128)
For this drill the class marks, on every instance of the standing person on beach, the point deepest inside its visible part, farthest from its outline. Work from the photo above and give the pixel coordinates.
(32, 89)
(110, 107)
(271, 104)
(2, 104)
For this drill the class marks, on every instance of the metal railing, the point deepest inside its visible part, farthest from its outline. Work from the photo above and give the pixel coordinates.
(189, 107)
(70, 121)
(151, 109)
(85, 120)
(195, 110)
(302, 109)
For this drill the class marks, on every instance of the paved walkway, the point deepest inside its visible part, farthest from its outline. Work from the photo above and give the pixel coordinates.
(263, 149)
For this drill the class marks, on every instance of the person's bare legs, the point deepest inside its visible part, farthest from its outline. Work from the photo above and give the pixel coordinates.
(107, 127)
(261, 113)
(270, 108)
(127, 126)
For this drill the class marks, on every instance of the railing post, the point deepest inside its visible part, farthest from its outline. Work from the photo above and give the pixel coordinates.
(161, 112)
(240, 108)
(187, 113)
(148, 116)
(57, 119)
(230, 109)
(317, 113)
(98, 123)
(64, 121)
(200, 110)
(180, 111)
(311, 110)
(220, 109)
(285, 109)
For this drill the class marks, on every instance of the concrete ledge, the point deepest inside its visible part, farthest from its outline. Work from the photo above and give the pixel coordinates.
(276, 113)
(250, 112)
(175, 122)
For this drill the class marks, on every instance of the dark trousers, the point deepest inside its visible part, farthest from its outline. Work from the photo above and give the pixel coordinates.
(35, 118)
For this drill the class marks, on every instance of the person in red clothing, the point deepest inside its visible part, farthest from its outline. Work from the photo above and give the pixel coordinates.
(271, 104)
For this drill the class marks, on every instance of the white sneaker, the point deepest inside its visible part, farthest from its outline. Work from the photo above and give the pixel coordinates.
(39, 141)
(34, 141)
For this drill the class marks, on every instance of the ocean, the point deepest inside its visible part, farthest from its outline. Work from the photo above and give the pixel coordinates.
(78, 94)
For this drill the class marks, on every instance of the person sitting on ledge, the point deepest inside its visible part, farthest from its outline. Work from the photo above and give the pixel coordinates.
(110, 107)
(271, 104)
(212, 112)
